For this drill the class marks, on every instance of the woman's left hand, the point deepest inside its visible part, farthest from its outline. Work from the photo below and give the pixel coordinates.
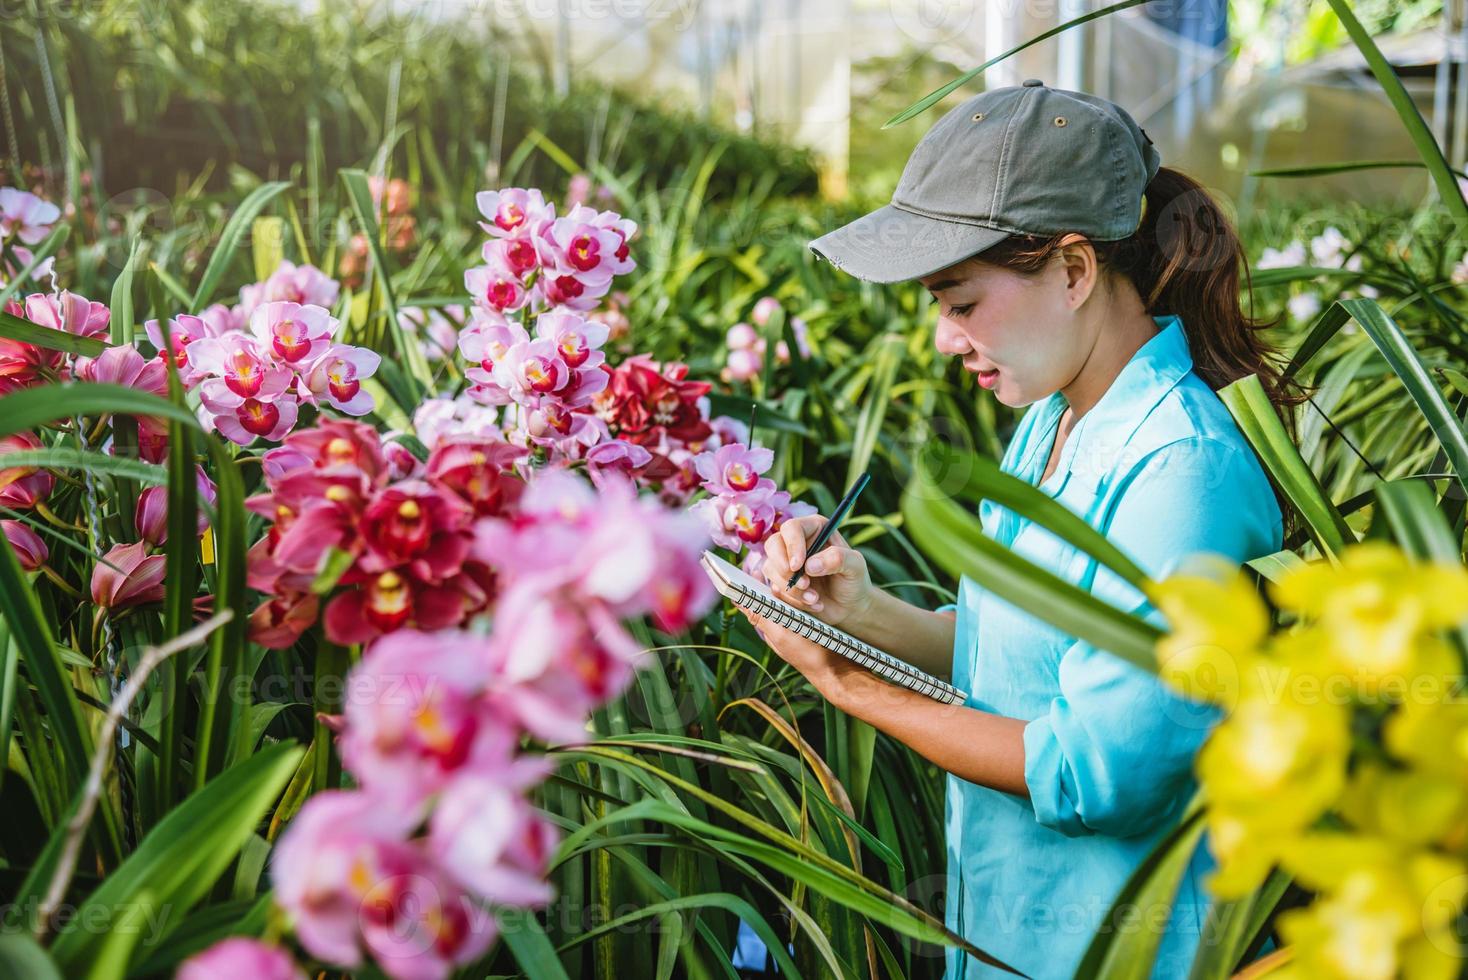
(824, 668)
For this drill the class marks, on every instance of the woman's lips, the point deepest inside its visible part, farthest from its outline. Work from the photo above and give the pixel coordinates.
(988, 379)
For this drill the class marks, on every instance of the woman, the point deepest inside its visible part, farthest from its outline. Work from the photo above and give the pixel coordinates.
(1066, 263)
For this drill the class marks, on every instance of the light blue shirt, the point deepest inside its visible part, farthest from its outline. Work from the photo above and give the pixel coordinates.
(1158, 466)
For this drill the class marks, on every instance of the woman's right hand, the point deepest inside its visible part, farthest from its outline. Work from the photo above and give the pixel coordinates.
(836, 585)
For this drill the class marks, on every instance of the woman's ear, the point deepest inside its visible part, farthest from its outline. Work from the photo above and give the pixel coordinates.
(1078, 259)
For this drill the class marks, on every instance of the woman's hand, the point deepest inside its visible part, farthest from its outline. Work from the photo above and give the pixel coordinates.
(836, 585)
(826, 670)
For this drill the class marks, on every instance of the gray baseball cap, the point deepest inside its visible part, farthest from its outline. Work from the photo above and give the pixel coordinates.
(1024, 159)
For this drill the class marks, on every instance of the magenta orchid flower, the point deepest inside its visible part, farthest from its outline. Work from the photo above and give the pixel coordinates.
(183, 330)
(496, 288)
(25, 216)
(336, 378)
(291, 333)
(531, 369)
(238, 369)
(514, 212)
(414, 718)
(127, 576)
(734, 469)
(302, 284)
(22, 487)
(30, 549)
(151, 514)
(240, 958)
(576, 340)
(491, 840)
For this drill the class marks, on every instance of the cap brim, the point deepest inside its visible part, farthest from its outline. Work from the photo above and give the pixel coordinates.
(892, 244)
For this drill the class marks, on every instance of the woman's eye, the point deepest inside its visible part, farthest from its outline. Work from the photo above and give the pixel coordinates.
(964, 310)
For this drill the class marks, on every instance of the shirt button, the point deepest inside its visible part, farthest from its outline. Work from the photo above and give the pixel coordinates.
(1032, 82)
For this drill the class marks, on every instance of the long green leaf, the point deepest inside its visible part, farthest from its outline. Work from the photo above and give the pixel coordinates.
(533, 950)
(69, 458)
(31, 408)
(886, 361)
(952, 538)
(1251, 409)
(179, 860)
(31, 632)
(1405, 363)
(22, 957)
(229, 241)
(122, 320)
(223, 736)
(1344, 166)
(1411, 116)
(181, 554)
(22, 331)
(1121, 953)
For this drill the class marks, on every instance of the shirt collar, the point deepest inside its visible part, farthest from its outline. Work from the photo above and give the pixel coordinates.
(1094, 445)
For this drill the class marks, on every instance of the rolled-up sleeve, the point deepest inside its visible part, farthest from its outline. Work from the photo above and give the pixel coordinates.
(1113, 754)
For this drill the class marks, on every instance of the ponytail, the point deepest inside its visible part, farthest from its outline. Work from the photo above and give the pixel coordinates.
(1185, 258)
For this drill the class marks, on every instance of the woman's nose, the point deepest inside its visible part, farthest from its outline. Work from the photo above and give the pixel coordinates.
(950, 340)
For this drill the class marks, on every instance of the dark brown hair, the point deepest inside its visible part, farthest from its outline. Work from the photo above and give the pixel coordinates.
(1185, 258)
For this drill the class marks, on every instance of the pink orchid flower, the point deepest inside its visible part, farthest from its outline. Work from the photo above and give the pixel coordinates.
(514, 212)
(491, 840)
(336, 378)
(25, 216)
(331, 866)
(127, 576)
(518, 255)
(569, 290)
(576, 340)
(438, 420)
(183, 330)
(292, 333)
(620, 261)
(23, 365)
(238, 369)
(239, 958)
(30, 549)
(303, 284)
(278, 622)
(414, 718)
(22, 487)
(150, 516)
(495, 287)
(529, 370)
(255, 418)
(734, 469)
(741, 336)
(390, 601)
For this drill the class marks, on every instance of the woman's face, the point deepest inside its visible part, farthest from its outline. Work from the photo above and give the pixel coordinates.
(1019, 335)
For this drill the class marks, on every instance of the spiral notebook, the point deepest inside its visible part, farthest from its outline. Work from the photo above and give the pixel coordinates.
(744, 590)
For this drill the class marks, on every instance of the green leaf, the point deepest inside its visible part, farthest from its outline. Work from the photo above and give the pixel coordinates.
(69, 458)
(887, 360)
(22, 331)
(31, 408)
(1405, 363)
(122, 320)
(937, 95)
(181, 555)
(1241, 921)
(526, 938)
(178, 862)
(953, 539)
(31, 632)
(1256, 418)
(229, 241)
(223, 736)
(360, 195)
(972, 477)
(1411, 116)
(22, 957)
(1122, 953)
(334, 565)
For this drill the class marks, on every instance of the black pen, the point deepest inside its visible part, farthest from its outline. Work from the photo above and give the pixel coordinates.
(830, 528)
